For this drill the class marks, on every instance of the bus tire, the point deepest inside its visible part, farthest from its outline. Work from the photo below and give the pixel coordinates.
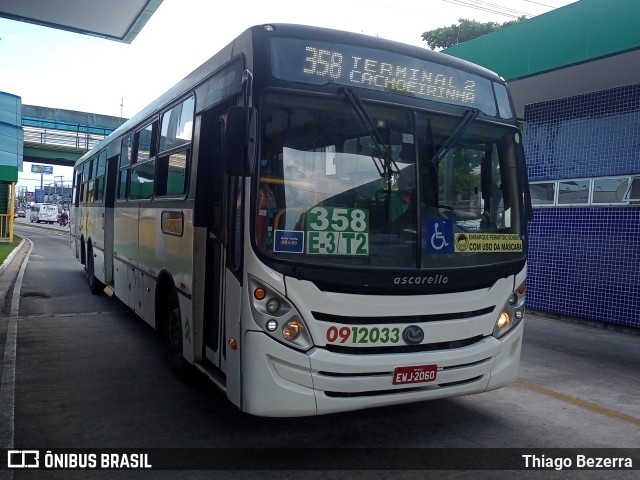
(95, 285)
(83, 252)
(171, 324)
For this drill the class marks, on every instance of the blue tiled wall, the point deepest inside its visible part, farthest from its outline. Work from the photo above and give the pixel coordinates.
(585, 261)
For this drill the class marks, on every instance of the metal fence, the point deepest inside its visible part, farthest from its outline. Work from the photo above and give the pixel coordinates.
(82, 140)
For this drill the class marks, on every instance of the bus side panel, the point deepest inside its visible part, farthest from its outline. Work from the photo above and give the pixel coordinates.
(165, 236)
(74, 231)
(95, 232)
(98, 264)
(120, 282)
(125, 241)
(137, 294)
(147, 300)
(188, 343)
(108, 246)
(232, 310)
(165, 244)
(125, 249)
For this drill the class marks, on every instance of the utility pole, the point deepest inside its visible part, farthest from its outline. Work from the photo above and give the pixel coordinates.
(62, 184)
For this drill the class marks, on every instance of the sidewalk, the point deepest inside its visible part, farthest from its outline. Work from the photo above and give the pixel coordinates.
(8, 273)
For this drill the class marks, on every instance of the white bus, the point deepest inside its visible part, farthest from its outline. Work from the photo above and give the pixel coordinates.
(43, 212)
(318, 221)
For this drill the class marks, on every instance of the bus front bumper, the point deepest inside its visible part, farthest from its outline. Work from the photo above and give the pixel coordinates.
(281, 382)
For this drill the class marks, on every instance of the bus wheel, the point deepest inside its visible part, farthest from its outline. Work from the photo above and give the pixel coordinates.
(95, 285)
(172, 325)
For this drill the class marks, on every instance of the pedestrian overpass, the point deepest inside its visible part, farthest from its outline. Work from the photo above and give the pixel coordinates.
(41, 135)
(54, 136)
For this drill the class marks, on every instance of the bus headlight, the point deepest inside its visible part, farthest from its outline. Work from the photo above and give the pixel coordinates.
(512, 312)
(277, 317)
(503, 320)
(271, 325)
(273, 305)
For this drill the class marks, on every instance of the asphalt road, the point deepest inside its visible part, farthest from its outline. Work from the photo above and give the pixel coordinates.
(91, 374)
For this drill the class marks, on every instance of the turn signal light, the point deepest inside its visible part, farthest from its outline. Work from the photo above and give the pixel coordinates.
(260, 293)
(291, 330)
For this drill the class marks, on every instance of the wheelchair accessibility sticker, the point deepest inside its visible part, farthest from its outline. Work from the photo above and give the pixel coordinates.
(439, 238)
(439, 235)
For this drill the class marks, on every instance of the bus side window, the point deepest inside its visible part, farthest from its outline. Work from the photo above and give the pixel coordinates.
(86, 175)
(172, 174)
(145, 143)
(142, 173)
(77, 188)
(126, 152)
(110, 185)
(101, 168)
(123, 178)
(175, 149)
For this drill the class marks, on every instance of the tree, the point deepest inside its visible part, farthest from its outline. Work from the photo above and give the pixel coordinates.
(445, 37)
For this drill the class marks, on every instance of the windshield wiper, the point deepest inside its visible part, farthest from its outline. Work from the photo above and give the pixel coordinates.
(389, 166)
(468, 118)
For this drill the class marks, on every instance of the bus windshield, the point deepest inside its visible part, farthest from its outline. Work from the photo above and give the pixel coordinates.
(327, 194)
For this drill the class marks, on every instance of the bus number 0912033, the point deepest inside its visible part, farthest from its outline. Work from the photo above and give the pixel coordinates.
(363, 334)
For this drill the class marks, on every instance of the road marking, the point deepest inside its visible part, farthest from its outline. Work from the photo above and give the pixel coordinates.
(8, 386)
(579, 403)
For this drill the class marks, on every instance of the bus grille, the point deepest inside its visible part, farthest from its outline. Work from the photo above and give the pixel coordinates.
(427, 347)
(436, 317)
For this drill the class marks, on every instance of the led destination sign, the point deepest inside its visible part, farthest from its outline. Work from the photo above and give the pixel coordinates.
(388, 76)
(320, 63)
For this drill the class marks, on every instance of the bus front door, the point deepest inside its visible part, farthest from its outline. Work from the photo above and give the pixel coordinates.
(209, 213)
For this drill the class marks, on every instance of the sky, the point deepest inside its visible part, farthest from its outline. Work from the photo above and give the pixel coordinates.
(57, 69)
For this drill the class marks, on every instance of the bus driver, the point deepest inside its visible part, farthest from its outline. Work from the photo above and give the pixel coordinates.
(400, 200)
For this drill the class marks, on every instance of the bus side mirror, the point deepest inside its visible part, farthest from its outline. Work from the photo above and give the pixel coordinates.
(238, 147)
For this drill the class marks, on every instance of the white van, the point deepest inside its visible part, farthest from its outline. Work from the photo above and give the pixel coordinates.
(44, 212)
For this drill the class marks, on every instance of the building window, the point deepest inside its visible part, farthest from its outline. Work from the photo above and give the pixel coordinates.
(573, 192)
(609, 190)
(543, 193)
(623, 190)
(633, 194)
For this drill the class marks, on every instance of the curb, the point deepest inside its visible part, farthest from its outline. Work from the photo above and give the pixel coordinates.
(598, 324)
(7, 260)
